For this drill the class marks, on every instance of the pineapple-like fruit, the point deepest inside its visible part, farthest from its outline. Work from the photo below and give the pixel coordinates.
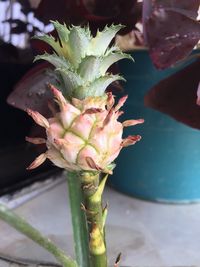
(85, 134)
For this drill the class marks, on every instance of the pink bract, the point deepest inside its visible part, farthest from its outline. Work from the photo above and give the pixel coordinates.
(85, 135)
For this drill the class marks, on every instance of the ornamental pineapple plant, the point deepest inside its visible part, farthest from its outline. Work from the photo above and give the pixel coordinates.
(84, 135)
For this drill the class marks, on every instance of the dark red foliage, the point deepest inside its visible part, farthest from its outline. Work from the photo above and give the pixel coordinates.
(95, 13)
(56, 10)
(170, 30)
(107, 12)
(32, 91)
(177, 96)
(189, 8)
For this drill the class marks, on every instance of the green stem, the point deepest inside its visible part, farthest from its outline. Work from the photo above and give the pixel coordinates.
(99, 260)
(25, 228)
(93, 201)
(80, 229)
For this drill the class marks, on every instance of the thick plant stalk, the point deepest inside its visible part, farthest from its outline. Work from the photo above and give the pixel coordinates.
(25, 228)
(84, 135)
(95, 216)
(80, 230)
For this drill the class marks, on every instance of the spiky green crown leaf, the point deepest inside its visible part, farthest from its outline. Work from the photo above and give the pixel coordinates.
(81, 60)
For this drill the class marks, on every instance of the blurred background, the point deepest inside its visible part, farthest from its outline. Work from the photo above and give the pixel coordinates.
(18, 23)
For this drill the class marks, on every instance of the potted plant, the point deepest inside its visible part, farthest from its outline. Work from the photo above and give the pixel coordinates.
(83, 168)
(166, 45)
(83, 137)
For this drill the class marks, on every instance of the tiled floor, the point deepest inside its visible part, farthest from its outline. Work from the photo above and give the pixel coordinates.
(147, 234)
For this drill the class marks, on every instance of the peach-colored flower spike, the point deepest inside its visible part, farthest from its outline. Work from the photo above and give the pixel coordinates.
(85, 134)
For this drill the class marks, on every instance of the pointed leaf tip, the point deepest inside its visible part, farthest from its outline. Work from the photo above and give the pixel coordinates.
(35, 140)
(55, 60)
(111, 58)
(96, 197)
(98, 86)
(132, 122)
(130, 140)
(121, 102)
(38, 118)
(50, 40)
(37, 162)
(59, 96)
(101, 41)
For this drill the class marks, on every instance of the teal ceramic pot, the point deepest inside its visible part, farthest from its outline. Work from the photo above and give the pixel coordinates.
(165, 164)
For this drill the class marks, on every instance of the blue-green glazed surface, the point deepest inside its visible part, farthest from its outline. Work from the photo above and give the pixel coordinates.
(165, 164)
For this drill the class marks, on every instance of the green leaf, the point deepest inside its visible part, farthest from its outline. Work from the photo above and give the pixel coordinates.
(98, 87)
(62, 30)
(89, 68)
(74, 41)
(112, 58)
(112, 49)
(79, 39)
(101, 41)
(97, 196)
(63, 33)
(57, 61)
(22, 226)
(70, 79)
(52, 42)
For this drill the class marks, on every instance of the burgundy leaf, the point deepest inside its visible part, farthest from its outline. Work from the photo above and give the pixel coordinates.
(177, 95)
(169, 44)
(32, 91)
(107, 12)
(170, 32)
(69, 11)
(53, 13)
(97, 13)
(189, 8)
